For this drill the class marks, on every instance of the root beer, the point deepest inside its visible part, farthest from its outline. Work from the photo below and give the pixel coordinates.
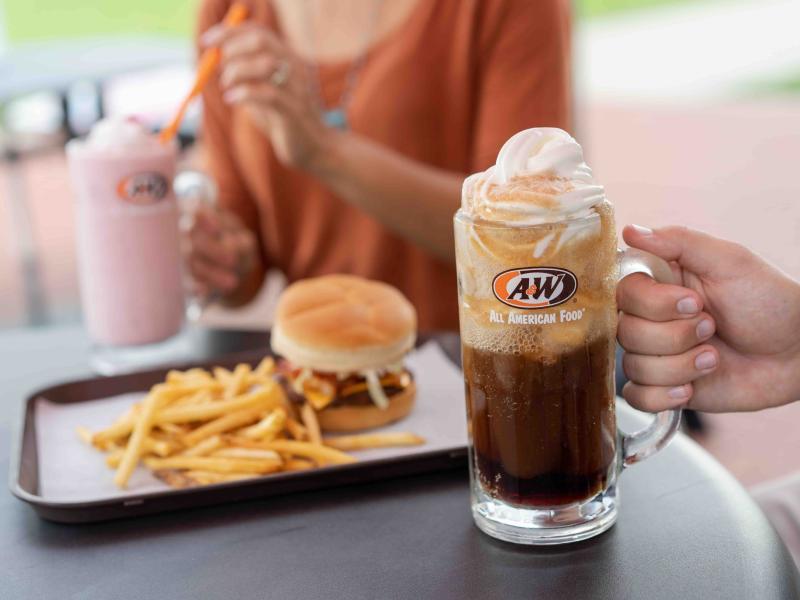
(543, 430)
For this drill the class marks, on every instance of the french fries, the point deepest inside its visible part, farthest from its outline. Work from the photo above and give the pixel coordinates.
(233, 420)
(265, 368)
(309, 417)
(141, 428)
(216, 464)
(365, 441)
(158, 447)
(237, 381)
(202, 427)
(316, 452)
(268, 397)
(296, 430)
(255, 453)
(268, 427)
(207, 446)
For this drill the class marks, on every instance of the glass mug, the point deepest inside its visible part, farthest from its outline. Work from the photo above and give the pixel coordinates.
(538, 317)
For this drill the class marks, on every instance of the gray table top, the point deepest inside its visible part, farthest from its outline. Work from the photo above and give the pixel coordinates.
(687, 530)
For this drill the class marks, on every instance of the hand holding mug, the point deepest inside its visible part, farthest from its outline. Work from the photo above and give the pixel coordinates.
(726, 339)
(222, 252)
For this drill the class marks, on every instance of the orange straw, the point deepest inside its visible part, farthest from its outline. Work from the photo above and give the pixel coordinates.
(206, 67)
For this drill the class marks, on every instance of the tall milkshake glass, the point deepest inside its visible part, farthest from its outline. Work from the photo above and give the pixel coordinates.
(128, 244)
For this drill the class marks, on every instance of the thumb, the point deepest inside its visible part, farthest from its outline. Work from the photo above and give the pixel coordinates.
(693, 250)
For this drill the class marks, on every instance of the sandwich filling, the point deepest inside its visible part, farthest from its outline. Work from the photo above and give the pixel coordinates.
(323, 389)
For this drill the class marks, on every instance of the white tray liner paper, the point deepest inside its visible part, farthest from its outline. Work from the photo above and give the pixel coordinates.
(71, 471)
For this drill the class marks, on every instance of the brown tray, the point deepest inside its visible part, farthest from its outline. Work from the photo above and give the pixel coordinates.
(24, 470)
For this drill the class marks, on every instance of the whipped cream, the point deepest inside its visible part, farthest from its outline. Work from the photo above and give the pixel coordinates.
(120, 133)
(540, 177)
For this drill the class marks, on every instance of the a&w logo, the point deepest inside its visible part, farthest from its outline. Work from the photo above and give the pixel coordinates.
(534, 287)
(143, 188)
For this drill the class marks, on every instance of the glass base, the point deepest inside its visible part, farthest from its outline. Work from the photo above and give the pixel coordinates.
(115, 360)
(545, 526)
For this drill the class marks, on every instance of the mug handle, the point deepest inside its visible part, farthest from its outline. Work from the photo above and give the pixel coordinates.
(644, 443)
(193, 189)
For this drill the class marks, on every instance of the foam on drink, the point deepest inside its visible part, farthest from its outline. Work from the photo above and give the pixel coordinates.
(540, 177)
(120, 135)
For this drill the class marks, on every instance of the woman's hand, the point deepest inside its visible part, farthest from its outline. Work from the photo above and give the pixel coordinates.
(728, 339)
(222, 254)
(261, 74)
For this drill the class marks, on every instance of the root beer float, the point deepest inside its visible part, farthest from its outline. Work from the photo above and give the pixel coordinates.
(537, 269)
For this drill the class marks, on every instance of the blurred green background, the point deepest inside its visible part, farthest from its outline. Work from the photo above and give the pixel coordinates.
(27, 20)
(46, 19)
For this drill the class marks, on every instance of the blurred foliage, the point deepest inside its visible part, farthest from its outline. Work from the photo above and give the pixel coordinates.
(593, 8)
(789, 85)
(46, 19)
(28, 20)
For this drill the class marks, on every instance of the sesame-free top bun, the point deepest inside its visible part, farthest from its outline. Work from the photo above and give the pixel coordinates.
(343, 323)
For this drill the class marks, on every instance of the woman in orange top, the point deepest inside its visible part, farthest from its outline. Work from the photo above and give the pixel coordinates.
(340, 132)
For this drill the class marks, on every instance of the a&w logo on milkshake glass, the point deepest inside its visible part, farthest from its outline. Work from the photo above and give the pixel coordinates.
(143, 188)
(534, 287)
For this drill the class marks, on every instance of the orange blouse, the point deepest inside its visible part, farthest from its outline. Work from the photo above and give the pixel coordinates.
(446, 88)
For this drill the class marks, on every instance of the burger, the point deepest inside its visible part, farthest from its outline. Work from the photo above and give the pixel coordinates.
(342, 340)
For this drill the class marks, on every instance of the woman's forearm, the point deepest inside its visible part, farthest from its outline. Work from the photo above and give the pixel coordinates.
(414, 200)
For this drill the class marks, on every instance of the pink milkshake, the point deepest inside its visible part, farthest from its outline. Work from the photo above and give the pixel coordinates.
(128, 242)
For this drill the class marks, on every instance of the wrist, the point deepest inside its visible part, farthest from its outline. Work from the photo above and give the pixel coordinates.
(327, 160)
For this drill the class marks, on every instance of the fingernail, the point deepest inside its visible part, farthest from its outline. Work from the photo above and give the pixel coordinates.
(209, 37)
(688, 306)
(705, 361)
(704, 329)
(641, 230)
(233, 95)
(679, 393)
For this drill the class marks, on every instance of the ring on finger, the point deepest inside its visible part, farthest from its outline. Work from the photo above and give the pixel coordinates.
(281, 74)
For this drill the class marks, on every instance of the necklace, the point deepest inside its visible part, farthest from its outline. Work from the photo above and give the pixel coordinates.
(335, 116)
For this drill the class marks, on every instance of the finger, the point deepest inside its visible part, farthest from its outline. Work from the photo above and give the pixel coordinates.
(694, 250)
(260, 94)
(643, 336)
(246, 249)
(213, 35)
(221, 33)
(244, 39)
(644, 297)
(216, 250)
(212, 276)
(207, 219)
(230, 220)
(678, 369)
(652, 398)
(257, 67)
